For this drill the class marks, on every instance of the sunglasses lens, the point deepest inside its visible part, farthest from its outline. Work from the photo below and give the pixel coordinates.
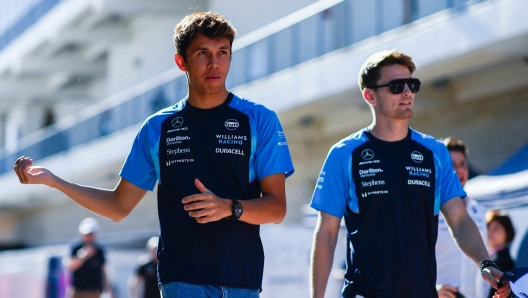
(396, 86)
(414, 85)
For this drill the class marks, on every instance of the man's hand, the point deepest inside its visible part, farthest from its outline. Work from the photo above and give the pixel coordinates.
(206, 206)
(492, 275)
(86, 252)
(28, 174)
(446, 291)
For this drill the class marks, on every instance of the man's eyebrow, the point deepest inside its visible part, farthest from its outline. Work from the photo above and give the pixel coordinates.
(206, 48)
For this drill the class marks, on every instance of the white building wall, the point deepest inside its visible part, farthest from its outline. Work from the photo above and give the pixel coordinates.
(249, 15)
(149, 53)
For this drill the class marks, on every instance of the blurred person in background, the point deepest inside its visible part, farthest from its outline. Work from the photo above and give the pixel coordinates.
(144, 282)
(500, 235)
(457, 275)
(87, 263)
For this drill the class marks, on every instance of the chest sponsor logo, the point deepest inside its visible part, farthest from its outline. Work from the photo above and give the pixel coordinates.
(419, 182)
(282, 143)
(376, 192)
(178, 151)
(417, 171)
(231, 139)
(177, 129)
(417, 157)
(229, 151)
(177, 140)
(177, 122)
(231, 124)
(367, 154)
(372, 183)
(174, 161)
(369, 172)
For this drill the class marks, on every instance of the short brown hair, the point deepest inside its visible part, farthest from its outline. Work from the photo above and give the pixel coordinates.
(209, 24)
(504, 220)
(453, 144)
(370, 71)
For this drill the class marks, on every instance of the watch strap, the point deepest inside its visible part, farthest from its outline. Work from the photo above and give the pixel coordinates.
(236, 209)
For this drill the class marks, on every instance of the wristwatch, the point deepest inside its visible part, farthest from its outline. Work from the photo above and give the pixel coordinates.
(237, 209)
(487, 263)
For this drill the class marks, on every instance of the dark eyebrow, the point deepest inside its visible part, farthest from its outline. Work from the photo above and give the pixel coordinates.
(206, 49)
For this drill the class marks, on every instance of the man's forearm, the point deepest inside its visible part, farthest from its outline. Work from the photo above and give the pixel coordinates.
(321, 262)
(101, 201)
(267, 209)
(468, 239)
(113, 204)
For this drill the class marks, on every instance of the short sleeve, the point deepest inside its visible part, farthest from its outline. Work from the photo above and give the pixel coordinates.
(449, 185)
(272, 155)
(139, 167)
(332, 188)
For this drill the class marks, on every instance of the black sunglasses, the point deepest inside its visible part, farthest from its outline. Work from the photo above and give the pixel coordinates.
(397, 86)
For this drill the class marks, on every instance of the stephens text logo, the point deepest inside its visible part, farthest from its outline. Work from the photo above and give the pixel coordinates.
(178, 151)
(372, 183)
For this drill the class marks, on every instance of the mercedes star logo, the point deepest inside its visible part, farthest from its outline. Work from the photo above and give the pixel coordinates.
(177, 122)
(367, 154)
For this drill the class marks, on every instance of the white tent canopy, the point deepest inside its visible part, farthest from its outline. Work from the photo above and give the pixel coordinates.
(499, 192)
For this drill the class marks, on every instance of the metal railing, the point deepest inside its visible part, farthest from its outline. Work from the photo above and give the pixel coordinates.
(332, 28)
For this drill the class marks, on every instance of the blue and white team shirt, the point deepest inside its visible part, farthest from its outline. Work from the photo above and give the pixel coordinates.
(390, 194)
(229, 148)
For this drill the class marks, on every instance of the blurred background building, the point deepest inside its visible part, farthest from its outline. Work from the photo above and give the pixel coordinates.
(78, 77)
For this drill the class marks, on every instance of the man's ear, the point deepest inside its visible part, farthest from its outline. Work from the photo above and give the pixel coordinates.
(368, 95)
(180, 62)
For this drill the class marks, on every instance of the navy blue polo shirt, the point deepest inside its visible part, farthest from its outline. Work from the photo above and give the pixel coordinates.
(390, 194)
(229, 148)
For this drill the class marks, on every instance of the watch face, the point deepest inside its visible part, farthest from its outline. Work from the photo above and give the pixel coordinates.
(238, 210)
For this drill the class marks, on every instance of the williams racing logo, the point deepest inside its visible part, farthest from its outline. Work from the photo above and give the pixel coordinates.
(231, 124)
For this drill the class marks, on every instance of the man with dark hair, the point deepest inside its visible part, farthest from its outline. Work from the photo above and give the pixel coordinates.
(220, 162)
(390, 182)
(457, 276)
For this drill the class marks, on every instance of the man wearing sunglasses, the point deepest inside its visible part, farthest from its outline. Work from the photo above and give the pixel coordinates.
(390, 182)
